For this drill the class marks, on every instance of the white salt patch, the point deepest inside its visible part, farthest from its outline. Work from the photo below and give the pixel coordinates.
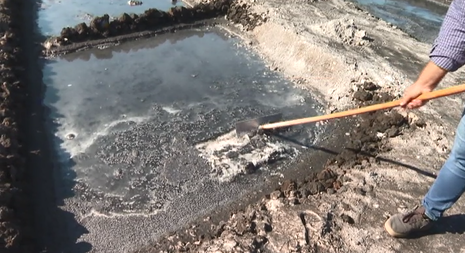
(281, 100)
(84, 140)
(225, 167)
(110, 215)
(170, 110)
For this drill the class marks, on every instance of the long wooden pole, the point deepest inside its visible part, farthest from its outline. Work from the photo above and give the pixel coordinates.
(425, 96)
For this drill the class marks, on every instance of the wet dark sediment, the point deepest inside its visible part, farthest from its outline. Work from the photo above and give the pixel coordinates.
(252, 222)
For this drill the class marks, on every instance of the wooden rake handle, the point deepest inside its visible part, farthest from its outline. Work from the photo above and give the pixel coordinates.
(425, 96)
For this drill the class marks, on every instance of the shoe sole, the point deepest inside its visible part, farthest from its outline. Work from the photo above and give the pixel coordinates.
(393, 233)
(390, 231)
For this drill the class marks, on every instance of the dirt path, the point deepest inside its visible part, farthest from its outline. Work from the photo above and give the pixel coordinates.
(331, 47)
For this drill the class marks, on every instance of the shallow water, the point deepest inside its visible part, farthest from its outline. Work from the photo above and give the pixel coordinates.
(56, 14)
(419, 18)
(134, 111)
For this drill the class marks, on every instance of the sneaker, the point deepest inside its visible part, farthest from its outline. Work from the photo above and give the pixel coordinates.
(403, 225)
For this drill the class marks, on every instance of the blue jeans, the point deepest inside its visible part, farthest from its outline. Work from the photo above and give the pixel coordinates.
(450, 182)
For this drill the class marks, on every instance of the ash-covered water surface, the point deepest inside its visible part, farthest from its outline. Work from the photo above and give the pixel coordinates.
(145, 131)
(53, 15)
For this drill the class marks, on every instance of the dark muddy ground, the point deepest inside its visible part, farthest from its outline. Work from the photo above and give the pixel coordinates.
(15, 218)
(249, 229)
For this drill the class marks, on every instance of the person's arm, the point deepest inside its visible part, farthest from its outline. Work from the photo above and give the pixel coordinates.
(447, 55)
(427, 81)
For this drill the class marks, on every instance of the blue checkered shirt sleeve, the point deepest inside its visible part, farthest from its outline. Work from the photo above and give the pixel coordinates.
(448, 51)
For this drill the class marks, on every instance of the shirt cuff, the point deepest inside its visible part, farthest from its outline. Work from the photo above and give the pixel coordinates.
(445, 57)
(445, 63)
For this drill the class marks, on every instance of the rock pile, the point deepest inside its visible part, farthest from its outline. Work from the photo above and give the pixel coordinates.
(240, 13)
(102, 27)
(134, 3)
(370, 135)
(345, 31)
(152, 19)
(367, 139)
